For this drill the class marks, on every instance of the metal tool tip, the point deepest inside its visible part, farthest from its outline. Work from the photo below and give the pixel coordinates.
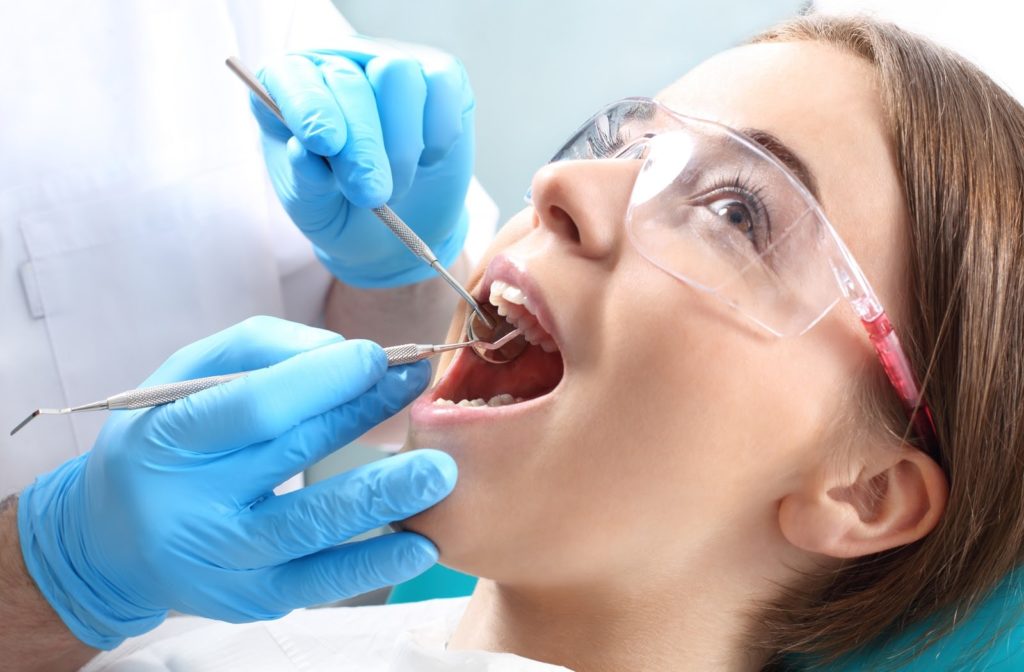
(24, 422)
(507, 338)
(484, 317)
(501, 342)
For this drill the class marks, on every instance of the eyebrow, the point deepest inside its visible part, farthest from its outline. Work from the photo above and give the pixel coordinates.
(787, 156)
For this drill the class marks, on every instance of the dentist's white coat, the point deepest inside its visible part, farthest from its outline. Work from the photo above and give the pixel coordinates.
(134, 214)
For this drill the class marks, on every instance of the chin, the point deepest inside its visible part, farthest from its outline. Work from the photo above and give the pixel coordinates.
(450, 526)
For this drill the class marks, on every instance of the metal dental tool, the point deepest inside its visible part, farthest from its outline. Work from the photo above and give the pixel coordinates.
(498, 333)
(145, 397)
(406, 354)
(384, 213)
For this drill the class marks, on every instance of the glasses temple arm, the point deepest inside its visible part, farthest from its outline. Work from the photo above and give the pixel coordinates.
(897, 368)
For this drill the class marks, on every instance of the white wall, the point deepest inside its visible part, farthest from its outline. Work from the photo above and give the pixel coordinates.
(988, 32)
(541, 67)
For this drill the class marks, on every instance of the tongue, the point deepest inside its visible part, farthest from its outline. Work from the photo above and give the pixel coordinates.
(533, 374)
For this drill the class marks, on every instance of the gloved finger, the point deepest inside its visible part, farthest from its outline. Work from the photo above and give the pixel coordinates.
(449, 97)
(330, 512)
(267, 120)
(361, 167)
(349, 570)
(270, 401)
(312, 197)
(252, 344)
(401, 92)
(358, 49)
(307, 104)
(269, 464)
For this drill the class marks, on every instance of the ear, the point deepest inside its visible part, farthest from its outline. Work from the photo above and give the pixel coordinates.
(888, 497)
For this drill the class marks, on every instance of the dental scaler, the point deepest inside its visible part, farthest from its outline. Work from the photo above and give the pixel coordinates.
(158, 395)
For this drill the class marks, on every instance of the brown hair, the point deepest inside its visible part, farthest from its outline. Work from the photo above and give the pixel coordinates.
(959, 146)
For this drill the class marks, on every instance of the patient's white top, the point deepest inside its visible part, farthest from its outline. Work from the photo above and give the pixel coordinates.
(406, 637)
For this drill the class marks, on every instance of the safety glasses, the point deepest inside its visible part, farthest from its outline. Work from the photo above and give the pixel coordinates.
(716, 210)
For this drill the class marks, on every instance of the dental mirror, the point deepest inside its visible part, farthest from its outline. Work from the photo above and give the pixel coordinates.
(476, 329)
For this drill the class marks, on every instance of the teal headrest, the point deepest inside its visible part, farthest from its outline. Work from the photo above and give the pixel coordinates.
(990, 640)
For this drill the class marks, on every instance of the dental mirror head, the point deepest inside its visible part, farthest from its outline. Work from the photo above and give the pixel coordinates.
(478, 330)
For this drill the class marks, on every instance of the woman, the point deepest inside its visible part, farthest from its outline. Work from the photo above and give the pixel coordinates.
(709, 468)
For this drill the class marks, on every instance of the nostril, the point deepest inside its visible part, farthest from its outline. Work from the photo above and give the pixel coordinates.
(563, 224)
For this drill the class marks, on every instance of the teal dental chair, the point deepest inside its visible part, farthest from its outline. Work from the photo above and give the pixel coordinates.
(991, 640)
(436, 582)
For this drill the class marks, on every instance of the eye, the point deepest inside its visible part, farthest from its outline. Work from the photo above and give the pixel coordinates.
(739, 206)
(735, 213)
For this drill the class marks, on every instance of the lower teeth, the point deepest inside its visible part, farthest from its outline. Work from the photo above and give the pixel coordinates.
(498, 400)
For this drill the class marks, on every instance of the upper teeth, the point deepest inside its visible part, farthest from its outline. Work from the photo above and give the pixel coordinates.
(513, 304)
(509, 293)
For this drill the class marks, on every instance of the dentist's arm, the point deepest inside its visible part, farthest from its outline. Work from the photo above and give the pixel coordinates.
(32, 636)
(173, 508)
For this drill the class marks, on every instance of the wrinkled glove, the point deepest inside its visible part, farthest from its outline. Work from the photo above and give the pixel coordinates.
(393, 129)
(173, 508)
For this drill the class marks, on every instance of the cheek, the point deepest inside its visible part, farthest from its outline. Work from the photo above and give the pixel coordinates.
(713, 402)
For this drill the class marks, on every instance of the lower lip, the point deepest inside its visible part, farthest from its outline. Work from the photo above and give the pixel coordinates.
(425, 413)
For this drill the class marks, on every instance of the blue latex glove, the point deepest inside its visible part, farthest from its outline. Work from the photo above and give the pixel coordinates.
(394, 129)
(173, 508)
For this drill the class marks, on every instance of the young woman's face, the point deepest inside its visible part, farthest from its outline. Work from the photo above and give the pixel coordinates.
(675, 425)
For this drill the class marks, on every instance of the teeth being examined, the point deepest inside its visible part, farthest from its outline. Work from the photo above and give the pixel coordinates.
(513, 304)
(497, 400)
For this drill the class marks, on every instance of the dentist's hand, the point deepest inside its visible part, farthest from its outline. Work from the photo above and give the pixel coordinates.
(173, 508)
(394, 129)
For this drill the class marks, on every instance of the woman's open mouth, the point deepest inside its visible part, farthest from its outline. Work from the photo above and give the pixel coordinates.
(473, 387)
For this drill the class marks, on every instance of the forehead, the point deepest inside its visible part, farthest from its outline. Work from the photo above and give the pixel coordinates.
(825, 105)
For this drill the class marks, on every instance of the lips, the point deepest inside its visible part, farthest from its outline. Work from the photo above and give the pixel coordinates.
(473, 389)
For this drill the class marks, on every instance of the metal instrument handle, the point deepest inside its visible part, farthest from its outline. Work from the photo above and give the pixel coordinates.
(407, 354)
(405, 234)
(145, 397)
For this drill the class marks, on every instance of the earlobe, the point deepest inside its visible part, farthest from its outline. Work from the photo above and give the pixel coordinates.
(895, 498)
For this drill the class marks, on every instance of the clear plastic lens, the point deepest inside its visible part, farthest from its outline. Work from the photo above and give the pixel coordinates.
(715, 210)
(611, 131)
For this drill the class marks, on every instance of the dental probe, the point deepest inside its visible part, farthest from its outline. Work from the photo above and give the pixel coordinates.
(384, 213)
(145, 397)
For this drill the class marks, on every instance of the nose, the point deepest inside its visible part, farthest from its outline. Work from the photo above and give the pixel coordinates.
(584, 203)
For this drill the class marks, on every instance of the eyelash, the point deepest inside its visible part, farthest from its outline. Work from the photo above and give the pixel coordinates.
(605, 146)
(754, 195)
